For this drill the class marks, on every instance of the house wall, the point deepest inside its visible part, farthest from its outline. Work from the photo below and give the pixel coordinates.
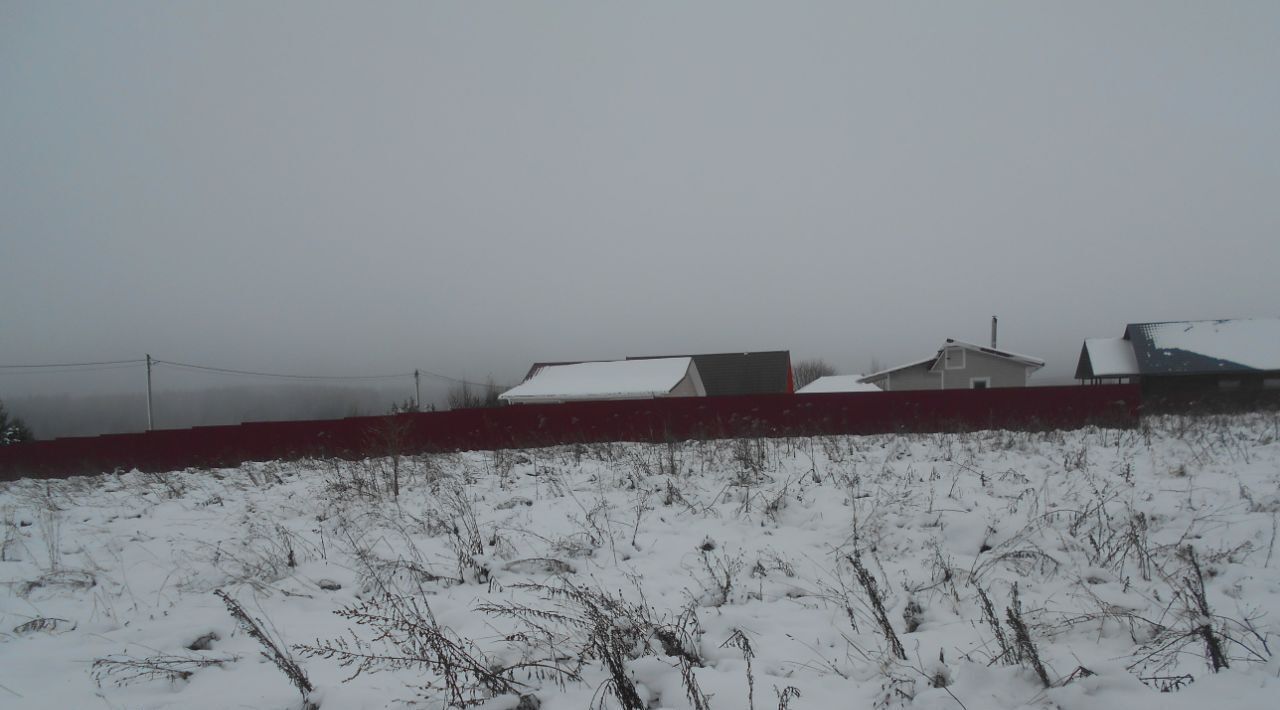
(912, 378)
(1003, 373)
(686, 388)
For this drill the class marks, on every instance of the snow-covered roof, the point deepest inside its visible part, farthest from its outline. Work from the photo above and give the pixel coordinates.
(1016, 357)
(1191, 347)
(880, 375)
(615, 379)
(838, 383)
(1110, 357)
(1032, 362)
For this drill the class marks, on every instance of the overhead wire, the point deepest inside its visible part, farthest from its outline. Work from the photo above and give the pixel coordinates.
(254, 373)
(72, 364)
(72, 367)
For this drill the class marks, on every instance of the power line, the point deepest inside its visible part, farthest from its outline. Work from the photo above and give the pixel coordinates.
(71, 364)
(253, 373)
(461, 382)
(72, 370)
(72, 367)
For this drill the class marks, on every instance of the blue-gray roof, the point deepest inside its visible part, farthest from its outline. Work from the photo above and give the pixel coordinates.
(1206, 346)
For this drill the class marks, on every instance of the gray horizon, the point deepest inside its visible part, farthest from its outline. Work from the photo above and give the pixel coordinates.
(358, 189)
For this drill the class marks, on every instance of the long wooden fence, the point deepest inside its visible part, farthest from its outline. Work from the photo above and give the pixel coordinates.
(654, 420)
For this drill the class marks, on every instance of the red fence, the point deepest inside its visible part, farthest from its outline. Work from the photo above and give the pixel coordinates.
(543, 425)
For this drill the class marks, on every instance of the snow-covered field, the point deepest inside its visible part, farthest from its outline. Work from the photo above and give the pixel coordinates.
(729, 575)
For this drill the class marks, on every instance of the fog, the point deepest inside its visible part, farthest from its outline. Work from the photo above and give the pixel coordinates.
(357, 189)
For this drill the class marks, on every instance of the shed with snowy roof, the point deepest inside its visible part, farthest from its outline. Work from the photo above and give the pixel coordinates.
(614, 379)
(1185, 360)
(838, 383)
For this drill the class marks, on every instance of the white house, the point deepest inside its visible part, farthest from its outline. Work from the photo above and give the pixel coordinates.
(615, 379)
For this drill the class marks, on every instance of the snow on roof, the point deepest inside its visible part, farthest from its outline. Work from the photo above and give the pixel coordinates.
(882, 373)
(1251, 342)
(615, 379)
(838, 383)
(1111, 357)
(1018, 357)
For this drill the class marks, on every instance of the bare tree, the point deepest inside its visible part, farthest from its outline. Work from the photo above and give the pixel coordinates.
(807, 371)
(468, 396)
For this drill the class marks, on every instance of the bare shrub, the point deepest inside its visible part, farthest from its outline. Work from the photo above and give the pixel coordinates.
(125, 670)
(592, 625)
(407, 629)
(722, 571)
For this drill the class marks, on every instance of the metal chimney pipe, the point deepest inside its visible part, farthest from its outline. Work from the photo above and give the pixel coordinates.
(993, 332)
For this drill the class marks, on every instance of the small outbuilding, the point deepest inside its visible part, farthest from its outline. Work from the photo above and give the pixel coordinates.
(838, 383)
(614, 379)
(1107, 360)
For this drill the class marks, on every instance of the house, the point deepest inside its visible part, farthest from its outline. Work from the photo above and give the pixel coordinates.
(726, 374)
(959, 365)
(838, 383)
(1187, 361)
(615, 379)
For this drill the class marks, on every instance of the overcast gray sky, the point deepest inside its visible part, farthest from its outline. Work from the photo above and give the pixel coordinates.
(467, 187)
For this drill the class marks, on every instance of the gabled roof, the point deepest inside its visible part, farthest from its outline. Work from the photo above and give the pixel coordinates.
(1106, 357)
(766, 372)
(1206, 346)
(926, 363)
(617, 379)
(838, 383)
(533, 369)
(929, 362)
(1027, 360)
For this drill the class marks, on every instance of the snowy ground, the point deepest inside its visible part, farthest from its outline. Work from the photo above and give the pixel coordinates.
(699, 575)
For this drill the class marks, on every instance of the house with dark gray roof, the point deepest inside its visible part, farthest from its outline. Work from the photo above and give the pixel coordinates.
(1186, 361)
(721, 374)
(727, 374)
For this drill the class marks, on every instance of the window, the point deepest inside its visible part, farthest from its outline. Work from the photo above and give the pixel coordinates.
(1271, 383)
(1228, 385)
(979, 383)
(954, 358)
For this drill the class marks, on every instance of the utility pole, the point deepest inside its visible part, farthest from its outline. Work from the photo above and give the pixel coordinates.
(417, 391)
(150, 422)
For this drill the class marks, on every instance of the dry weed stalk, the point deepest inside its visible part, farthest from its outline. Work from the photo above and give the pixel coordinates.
(868, 582)
(271, 650)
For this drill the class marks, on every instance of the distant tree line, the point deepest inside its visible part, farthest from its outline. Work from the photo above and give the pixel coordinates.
(12, 429)
(50, 416)
(806, 371)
